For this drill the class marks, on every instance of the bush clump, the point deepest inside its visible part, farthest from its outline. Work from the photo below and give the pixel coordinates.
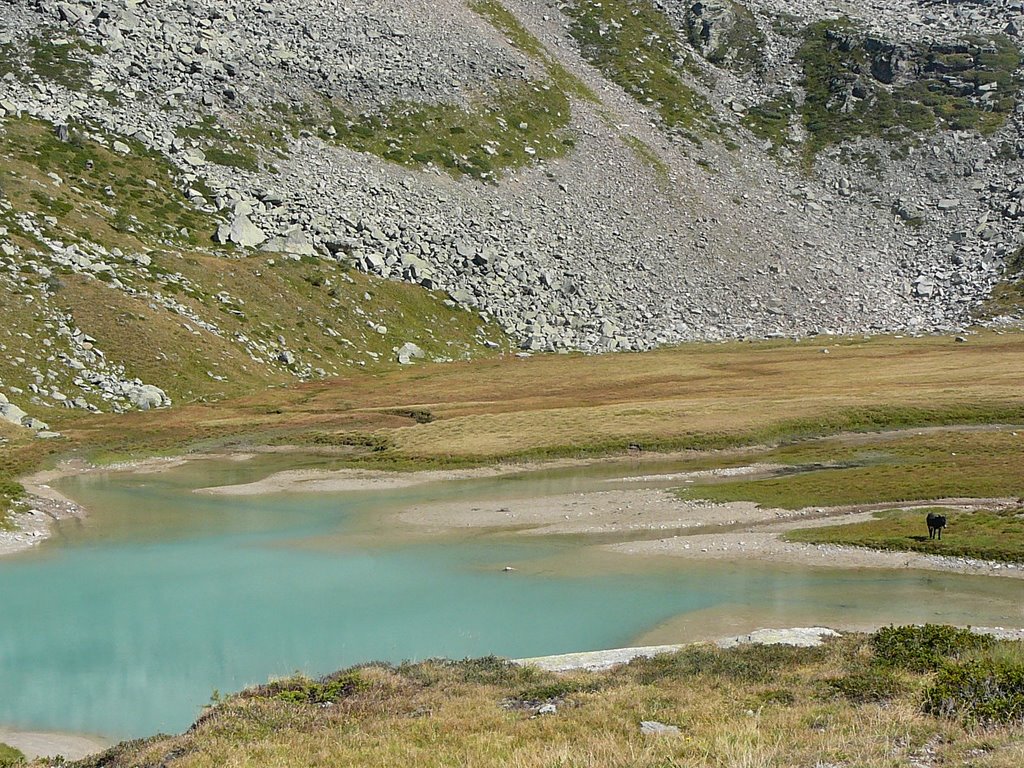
(985, 691)
(925, 648)
(870, 684)
(303, 690)
(745, 663)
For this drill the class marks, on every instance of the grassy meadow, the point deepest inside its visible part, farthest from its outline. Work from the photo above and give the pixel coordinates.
(888, 699)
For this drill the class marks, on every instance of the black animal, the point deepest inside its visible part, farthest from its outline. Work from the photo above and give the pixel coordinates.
(935, 525)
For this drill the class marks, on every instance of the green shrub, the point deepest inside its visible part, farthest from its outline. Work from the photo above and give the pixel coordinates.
(302, 690)
(869, 684)
(925, 648)
(749, 663)
(982, 691)
(488, 670)
(9, 756)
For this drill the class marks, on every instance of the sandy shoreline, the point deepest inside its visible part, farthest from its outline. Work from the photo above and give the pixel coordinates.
(36, 744)
(40, 509)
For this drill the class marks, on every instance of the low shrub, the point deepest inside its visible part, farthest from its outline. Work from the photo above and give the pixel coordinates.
(871, 684)
(303, 690)
(559, 688)
(925, 648)
(747, 663)
(984, 691)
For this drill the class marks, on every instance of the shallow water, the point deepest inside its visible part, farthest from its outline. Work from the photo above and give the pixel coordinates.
(125, 624)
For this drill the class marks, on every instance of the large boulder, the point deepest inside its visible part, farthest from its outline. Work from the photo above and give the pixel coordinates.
(12, 413)
(292, 241)
(241, 232)
(146, 396)
(408, 352)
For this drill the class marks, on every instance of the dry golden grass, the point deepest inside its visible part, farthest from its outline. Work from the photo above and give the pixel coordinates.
(761, 707)
(697, 396)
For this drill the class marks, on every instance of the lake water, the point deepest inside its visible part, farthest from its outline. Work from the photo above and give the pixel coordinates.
(124, 625)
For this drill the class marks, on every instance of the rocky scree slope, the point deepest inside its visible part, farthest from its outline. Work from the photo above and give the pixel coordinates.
(593, 176)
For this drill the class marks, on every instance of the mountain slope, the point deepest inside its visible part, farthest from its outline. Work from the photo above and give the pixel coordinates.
(193, 188)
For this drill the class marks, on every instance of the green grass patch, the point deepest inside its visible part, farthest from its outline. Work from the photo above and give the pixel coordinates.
(944, 465)
(770, 120)
(502, 19)
(220, 145)
(848, 98)
(104, 192)
(636, 47)
(520, 125)
(983, 534)
(61, 59)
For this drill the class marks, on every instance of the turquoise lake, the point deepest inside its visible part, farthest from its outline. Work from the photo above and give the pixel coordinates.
(124, 625)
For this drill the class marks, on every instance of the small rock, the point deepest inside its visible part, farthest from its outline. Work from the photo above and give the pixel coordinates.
(654, 728)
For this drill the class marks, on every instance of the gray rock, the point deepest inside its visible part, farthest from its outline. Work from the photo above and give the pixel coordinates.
(293, 241)
(146, 396)
(708, 24)
(654, 728)
(244, 233)
(12, 413)
(408, 352)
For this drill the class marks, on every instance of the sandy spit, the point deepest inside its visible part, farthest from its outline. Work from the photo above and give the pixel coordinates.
(36, 744)
(697, 529)
(605, 512)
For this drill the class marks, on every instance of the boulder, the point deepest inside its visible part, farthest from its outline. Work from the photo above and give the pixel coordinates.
(654, 728)
(12, 413)
(408, 352)
(292, 241)
(146, 396)
(242, 232)
(708, 24)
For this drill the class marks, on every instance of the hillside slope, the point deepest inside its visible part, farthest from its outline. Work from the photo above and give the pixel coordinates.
(199, 197)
